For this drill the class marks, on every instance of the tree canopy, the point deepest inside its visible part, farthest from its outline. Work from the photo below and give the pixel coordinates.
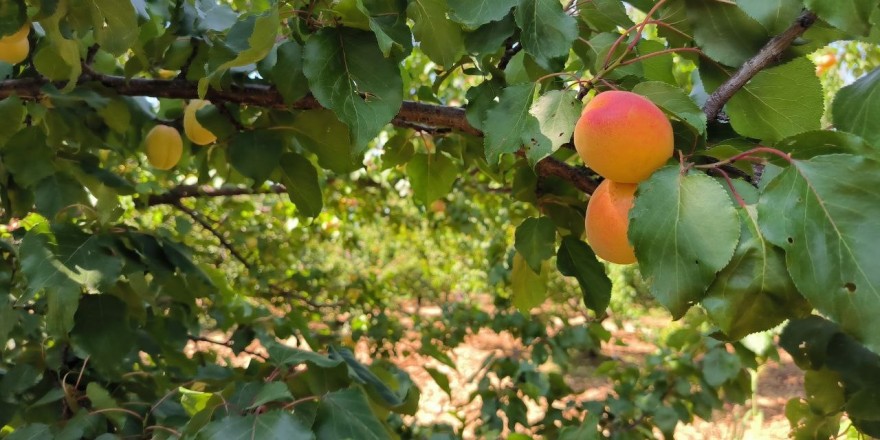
(450, 123)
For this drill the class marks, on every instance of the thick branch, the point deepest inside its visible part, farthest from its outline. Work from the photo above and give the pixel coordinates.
(425, 117)
(174, 195)
(768, 54)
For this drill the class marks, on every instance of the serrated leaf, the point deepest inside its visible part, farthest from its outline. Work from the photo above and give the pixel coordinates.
(346, 414)
(101, 399)
(535, 240)
(255, 153)
(604, 15)
(385, 18)
(754, 292)
(431, 176)
(285, 356)
(848, 15)
(344, 64)
(675, 101)
(58, 192)
(547, 32)
(300, 178)
(441, 39)
(27, 157)
(856, 108)
(821, 142)
(719, 366)
(576, 259)
(116, 25)
(529, 287)
(475, 13)
(509, 125)
(248, 41)
(775, 15)
(323, 134)
(778, 102)
(102, 331)
(288, 74)
(271, 392)
(684, 230)
(724, 32)
(273, 425)
(557, 113)
(824, 212)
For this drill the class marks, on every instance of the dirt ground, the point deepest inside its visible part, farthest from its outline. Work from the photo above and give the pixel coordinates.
(777, 382)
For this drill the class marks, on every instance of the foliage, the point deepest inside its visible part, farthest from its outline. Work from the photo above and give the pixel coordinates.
(375, 153)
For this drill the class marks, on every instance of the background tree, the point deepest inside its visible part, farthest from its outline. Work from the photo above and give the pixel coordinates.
(448, 123)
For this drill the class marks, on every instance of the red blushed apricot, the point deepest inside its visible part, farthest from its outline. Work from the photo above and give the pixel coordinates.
(623, 136)
(607, 221)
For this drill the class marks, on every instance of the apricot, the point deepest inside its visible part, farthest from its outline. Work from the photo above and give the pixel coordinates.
(164, 147)
(607, 221)
(194, 130)
(623, 136)
(14, 51)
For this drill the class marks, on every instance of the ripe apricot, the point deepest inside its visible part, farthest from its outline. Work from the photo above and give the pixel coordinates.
(623, 136)
(164, 147)
(15, 51)
(607, 221)
(196, 133)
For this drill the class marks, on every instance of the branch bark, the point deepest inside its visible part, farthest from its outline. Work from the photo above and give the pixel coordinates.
(176, 194)
(767, 55)
(418, 115)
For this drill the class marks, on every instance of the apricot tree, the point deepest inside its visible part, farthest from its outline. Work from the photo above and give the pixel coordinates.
(761, 217)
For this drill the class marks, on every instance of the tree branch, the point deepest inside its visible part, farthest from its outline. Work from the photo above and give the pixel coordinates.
(174, 195)
(426, 117)
(223, 241)
(768, 54)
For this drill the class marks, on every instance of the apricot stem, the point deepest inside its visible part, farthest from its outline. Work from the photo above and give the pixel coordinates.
(641, 28)
(748, 155)
(739, 199)
(661, 52)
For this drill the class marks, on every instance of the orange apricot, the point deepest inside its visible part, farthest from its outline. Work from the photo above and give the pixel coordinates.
(607, 221)
(623, 136)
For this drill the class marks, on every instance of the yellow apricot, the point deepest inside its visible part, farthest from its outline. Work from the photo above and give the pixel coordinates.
(623, 136)
(164, 147)
(196, 133)
(14, 52)
(607, 221)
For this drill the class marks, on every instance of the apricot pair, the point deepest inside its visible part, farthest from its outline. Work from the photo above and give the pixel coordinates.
(163, 144)
(14, 48)
(624, 138)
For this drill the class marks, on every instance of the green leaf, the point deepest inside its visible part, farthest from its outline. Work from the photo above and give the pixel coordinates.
(431, 176)
(346, 414)
(675, 101)
(684, 230)
(36, 431)
(848, 15)
(535, 240)
(754, 292)
(247, 42)
(101, 399)
(385, 18)
(547, 31)
(348, 74)
(13, 14)
(116, 26)
(576, 259)
(724, 32)
(557, 113)
(58, 192)
(300, 178)
(765, 108)
(255, 153)
(824, 212)
(323, 134)
(271, 392)
(820, 142)
(102, 332)
(194, 401)
(27, 157)
(363, 375)
(56, 57)
(604, 15)
(475, 13)
(509, 125)
(285, 356)
(442, 40)
(529, 287)
(8, 316)
(856, 108)
(487, 38)
(91, 260)
(12, 110)
(287, 73)
(441, 379)
(775, 15)
(588, 430)
(273, 425)
(719, 366)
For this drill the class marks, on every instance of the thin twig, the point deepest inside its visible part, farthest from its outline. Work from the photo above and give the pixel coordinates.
(207, 225)
(226, 344)
(195, 191)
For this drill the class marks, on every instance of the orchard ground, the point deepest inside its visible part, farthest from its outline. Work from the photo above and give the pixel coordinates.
(762, 417)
